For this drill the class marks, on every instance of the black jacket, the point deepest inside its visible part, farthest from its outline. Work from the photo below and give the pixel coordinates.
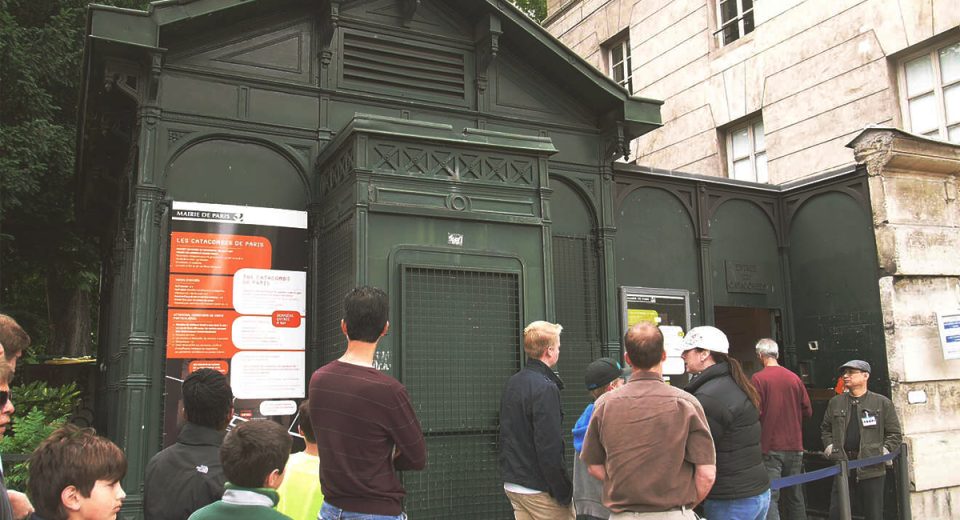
(531, 432)
(735, 426)
(185, 476)
(6, 510)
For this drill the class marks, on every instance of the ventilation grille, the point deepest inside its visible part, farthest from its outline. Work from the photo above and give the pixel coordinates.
(397, 66)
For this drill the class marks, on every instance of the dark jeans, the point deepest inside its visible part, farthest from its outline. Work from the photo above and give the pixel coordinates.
(589, 517)
(865, 496)
(785, 464)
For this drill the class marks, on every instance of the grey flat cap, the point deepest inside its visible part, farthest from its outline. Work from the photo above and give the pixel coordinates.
(856, 364)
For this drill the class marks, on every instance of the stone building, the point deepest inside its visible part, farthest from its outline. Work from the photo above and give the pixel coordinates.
(784, 93)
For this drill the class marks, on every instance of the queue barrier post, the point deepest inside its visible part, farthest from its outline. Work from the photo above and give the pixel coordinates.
(843, 494)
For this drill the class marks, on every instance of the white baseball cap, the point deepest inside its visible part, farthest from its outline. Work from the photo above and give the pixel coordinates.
(707, 338)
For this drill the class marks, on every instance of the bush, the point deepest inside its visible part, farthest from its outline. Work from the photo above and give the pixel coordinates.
(40, 410)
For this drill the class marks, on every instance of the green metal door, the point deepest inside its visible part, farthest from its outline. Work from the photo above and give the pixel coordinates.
(459, 346)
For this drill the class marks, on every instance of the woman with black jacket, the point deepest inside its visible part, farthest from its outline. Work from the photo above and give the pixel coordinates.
(731, 403)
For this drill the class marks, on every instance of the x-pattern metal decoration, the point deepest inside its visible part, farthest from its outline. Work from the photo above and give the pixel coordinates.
(388, 158)
(414, 161)
(471, 166)
(497, 168)
(443, 164)
(521, 172)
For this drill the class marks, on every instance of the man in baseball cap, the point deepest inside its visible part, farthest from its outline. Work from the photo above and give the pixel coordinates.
(860, 424)
(600, 377)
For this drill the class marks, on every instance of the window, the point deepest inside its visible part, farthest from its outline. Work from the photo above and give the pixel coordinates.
(618, 61)
(734, 19)
(930, 99)
(747, 152)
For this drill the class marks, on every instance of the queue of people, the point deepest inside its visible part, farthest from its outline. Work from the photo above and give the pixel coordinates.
(642, 448)
(658, 452)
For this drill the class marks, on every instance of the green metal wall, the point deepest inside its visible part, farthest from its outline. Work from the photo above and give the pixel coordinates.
(656, 245)
(743, 235)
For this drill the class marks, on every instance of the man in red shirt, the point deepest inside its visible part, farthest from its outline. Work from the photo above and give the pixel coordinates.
(364, 422)
(784, 404)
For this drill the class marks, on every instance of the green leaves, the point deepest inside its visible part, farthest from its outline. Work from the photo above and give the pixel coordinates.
(536, 9)
(40, 410)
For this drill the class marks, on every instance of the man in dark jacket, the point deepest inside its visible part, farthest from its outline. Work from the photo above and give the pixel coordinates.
(860, 424)
(188, 475)
(742, 489)
(531, 436)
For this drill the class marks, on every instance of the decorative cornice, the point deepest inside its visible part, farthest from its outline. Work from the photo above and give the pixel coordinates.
(882, 148)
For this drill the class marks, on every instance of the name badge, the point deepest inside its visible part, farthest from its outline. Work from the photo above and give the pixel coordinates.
(868, 420)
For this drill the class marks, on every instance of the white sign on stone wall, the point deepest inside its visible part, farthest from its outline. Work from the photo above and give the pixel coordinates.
(949, 326)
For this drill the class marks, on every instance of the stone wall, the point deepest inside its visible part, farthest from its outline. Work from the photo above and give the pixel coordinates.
(819, 72)
(916, 218)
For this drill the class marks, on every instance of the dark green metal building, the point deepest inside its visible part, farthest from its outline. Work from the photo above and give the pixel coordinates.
(456, 154)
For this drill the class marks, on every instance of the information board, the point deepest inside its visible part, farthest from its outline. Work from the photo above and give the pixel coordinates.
(669, 309)
(236, 302)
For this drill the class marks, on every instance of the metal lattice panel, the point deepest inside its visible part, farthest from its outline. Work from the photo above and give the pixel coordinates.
(460, 344)
(336, 278)
(576, 294)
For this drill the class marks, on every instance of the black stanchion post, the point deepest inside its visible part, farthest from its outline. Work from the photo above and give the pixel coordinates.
(844, 492)
(903, 477)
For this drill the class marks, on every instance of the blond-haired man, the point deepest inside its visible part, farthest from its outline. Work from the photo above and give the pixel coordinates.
(531, 434)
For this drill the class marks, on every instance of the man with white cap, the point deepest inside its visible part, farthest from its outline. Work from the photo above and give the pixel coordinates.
(860, 424)
(731, 403)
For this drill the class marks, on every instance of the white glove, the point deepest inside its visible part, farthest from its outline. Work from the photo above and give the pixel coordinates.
(828, 451)
(888, 463)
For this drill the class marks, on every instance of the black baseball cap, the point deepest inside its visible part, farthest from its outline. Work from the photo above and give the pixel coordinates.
(601, 372)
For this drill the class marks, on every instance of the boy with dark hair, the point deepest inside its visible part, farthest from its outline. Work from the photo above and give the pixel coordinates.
(75, 475)
(188, 475)
(253, 456)
(300, 494)
(370, 429)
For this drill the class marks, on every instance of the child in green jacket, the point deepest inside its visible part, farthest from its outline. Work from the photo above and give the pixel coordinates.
(253, 457)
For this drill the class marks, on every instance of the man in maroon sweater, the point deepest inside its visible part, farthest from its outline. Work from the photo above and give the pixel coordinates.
(784, 404)
(365, 425)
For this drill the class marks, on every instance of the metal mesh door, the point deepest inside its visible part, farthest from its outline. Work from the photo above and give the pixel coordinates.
(461, 342)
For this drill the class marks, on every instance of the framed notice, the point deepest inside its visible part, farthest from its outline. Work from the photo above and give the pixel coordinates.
(236, 302)
(669, 309)
(948, 324)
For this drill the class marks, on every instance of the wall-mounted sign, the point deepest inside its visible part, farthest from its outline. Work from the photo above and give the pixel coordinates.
(669, 309)
(748, 278)
(236, 302)
(949, 326)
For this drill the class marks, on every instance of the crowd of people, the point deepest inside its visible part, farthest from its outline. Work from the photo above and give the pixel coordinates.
(642, 448)
(656, 452)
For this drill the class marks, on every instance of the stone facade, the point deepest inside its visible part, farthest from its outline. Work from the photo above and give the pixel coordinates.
(818, 72)
(916, 217)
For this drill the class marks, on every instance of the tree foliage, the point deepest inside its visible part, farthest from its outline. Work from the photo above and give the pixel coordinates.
(536, 9)
(48, 268)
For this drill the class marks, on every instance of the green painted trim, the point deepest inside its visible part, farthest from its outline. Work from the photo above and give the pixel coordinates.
(408, 129)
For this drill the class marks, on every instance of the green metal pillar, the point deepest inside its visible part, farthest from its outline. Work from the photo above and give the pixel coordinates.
(606, 238)
(138, 393)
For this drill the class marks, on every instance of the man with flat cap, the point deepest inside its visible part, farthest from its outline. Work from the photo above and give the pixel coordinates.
(860, 424)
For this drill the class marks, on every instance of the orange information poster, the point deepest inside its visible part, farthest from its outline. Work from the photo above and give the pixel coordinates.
(236, 302)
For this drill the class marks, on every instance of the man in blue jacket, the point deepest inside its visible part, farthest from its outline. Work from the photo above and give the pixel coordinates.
(531, 435)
